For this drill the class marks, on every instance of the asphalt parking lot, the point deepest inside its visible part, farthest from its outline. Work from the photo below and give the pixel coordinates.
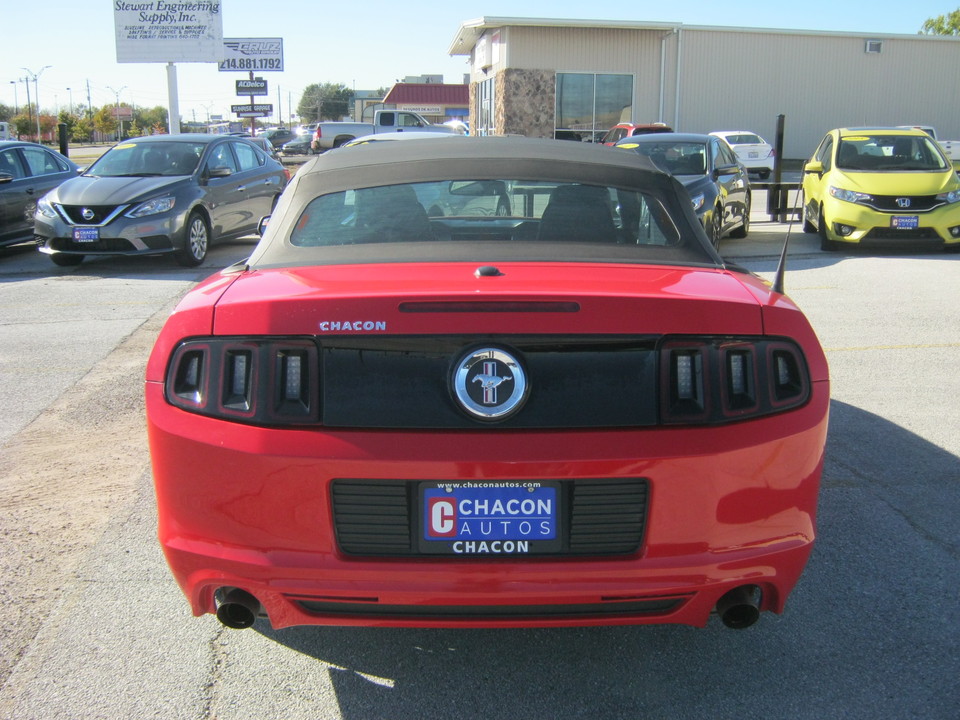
(96, 627)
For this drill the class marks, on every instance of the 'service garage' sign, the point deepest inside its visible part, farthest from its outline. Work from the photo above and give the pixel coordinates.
(168, 31)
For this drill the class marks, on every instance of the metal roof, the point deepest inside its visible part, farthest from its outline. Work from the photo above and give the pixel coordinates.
(471, 30)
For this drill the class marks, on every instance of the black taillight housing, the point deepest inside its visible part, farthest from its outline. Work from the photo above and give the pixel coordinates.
(268, 381)
(721, 379)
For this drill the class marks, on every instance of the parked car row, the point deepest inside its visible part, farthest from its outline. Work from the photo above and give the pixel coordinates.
(862, 185)
(151, 195)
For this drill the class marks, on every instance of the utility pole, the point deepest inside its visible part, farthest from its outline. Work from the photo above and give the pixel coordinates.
(117, 111)
(26, 81)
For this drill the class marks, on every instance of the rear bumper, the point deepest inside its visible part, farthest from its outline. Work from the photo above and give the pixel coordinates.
(755, 164)
(250, 508)
(404, 594)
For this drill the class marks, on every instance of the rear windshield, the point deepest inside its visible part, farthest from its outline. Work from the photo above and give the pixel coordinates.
(504, 210)
(889, 152)
(744, 139)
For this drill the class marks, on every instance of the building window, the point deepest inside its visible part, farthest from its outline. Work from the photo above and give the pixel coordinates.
(486, 92)
(589, 104)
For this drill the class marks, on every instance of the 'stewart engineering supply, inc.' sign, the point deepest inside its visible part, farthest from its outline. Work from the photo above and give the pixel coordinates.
(167, 31)
(251, 54)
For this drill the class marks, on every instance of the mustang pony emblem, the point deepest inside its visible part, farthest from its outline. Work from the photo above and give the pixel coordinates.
(490, 382)
(502, 381)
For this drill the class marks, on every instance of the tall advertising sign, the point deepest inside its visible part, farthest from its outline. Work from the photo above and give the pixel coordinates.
(168, 31)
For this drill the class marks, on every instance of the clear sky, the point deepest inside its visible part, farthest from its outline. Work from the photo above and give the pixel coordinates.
(365, 46)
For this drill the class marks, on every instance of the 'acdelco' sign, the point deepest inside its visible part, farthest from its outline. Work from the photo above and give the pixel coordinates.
(257, 86)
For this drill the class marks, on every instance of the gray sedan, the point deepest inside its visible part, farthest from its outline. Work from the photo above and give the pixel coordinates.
(160, 194)
(27, 172)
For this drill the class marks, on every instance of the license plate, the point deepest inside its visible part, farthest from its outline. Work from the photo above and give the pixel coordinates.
(86, 234)
(754, 154)
(905, 222)
(498, 518)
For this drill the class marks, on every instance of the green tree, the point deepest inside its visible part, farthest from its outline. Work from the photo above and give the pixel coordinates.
(6, 113)
(104, 121)
(70, 120)
(48, 126)
(83, 130)
(948, 24)
(330, 101)
(25, 126)
(151, 118)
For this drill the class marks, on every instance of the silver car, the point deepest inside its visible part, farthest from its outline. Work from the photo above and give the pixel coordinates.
(160, 194)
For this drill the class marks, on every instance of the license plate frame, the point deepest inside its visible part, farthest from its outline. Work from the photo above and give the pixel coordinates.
(490, 519)
(905, 222)
(86, 234)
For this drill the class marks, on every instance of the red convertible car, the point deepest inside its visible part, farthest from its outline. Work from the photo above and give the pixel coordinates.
(486, 382)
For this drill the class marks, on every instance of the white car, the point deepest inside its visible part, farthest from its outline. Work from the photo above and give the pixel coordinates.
(756, 154)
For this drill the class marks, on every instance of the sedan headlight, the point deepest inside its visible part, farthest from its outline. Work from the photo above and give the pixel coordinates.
(45, 208)
(950, 197)
(697, 201)
(153, 207)
(851, 196)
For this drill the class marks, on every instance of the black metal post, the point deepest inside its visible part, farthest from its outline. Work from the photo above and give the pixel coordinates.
(62, 134)
(776, 197)
(777, 167)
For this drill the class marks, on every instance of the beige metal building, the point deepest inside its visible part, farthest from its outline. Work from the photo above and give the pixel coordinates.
(576, 78)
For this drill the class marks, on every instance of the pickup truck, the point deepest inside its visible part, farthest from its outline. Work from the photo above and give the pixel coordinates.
(330, 135)
(951, 148)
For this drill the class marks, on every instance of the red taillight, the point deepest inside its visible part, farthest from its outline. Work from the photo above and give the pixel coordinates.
(715, 380)
(263, 381)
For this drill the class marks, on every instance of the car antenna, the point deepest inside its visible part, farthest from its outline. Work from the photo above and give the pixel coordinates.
(782, 265)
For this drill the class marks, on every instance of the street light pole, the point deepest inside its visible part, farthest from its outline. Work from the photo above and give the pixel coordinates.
(117, 106)
(26, 82)
(36, 92)
(16, 110)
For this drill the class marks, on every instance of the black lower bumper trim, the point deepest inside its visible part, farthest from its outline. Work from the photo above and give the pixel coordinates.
(618, 608)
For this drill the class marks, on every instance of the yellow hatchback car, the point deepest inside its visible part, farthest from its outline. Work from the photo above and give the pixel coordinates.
(881, 186)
